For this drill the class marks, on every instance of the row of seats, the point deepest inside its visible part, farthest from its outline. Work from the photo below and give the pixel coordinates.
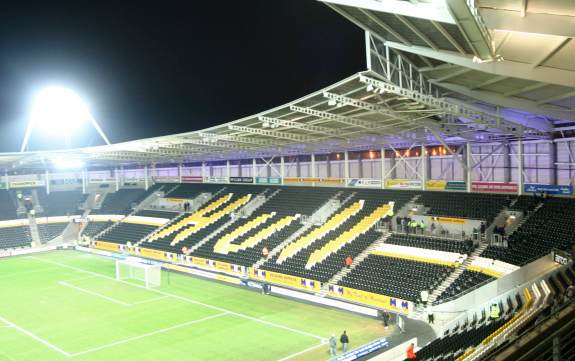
(156, 214)
(126, 232)
(466, 281)
(15, 237)
(122, 201)
(551, 226)
(7, 205)
(93, 228)
(464, 205)
(434, 243)
(61, 203)
(49, 231)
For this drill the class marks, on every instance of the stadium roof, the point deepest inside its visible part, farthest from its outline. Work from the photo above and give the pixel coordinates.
(489, 80)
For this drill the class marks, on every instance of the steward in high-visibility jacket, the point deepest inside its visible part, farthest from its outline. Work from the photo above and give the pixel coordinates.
(494, 312)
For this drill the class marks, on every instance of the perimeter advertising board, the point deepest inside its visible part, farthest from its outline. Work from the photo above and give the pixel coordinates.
(549, 189)
(494, 187)
(242, 180)
(403, 184)
(268, 180)
(364, 183)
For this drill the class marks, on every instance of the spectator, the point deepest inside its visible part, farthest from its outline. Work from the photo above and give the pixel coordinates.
(344, 341)
(398, 221)
(348, 261)
(430, 316)
(332, 346)
(482, 228)
(422, 227)
(385, 316)
(410, 352)
(494, 312)
(265, 252)
(424, 296)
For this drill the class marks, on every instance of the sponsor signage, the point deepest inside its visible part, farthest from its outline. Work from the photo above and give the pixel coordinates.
(268, 180)
(363, 350)
(442, 185)
(403, 184)
(215, 179)
(26, 184)
(286, 280)
(241, 179)
(192, 179)
(102, 180)
(449, 220)
(563, 258)
(494, 187)
(167, 179)
(313, 181)
(550, 189)
(364, 183)
(373, 299)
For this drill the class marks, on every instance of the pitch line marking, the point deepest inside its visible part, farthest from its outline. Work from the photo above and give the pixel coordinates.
(149, 300)
(95, 294)
(302, 351)
(189, 300)
(163, 330)
(37, 338)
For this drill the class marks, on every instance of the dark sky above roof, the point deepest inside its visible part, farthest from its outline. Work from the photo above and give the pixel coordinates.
(169, 67)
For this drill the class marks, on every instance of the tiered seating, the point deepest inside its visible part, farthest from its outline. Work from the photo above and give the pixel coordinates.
(434, 243)
(464, 205)
(126, 232)
(224, 243)
(156, 214)
(466, 281)
(93, 228)
(455, 343)
(7, 206)
(348, 236)
(316, 233)
(50, 231)
(121, 202)
(287, 205)
(191, 191)
(525, 203)
(15, 237)
(63, 203)
(551, 226)
(395, 277)
(323, 271)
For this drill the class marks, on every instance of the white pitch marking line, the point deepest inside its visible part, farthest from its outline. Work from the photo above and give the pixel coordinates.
(189, 300)
(167, 329)
(149, 300)
(302, 351)
(96, 294)
(39, 339)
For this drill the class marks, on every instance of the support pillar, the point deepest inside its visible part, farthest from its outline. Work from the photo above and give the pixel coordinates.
(424, 159)
(313, 170)
(47, 180)
(282, 168)
(146, 178)
(359, 166)
(346, 166)
(383, 170)
(506, 163)
(84, 180)
(228, 170)
(297, 167)
(469, 163)
(553, 162)
(254, 169)
(117, 179)
(328, 166)
(520, 176)
(180, 172)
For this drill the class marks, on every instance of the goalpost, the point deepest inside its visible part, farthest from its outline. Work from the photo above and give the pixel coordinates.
(134, 268)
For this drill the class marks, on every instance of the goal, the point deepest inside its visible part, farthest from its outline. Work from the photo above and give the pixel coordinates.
(135, 269)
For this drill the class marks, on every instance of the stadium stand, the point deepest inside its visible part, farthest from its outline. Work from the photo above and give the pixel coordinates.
(191, 191)
(7, 205)
(434, 243)
(61, 203)
(126, 232)
(156, 214)
(287, 203)
(49, 231)
(465, 205)
(122, 201)
(465, 282)
(93, 228)
(548, 228)
(15, 237)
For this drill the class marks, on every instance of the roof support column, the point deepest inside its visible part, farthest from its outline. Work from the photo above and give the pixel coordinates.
(180, 171)
(346, 166)
(84, 179)
(228, 170)
(359, 166)
(506, 164)
(469, 168)
(146, 178)
(424, 159)
(254, 169)
(368, 50)
(553, 162)
(313, 170)
(328, 166)
(282, 168)
(203, 169)
(520, 176)
(383, 174)
(297, 167)
(47, 180)
(117, 179)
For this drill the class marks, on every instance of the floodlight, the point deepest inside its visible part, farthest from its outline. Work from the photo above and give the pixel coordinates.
(59, 111)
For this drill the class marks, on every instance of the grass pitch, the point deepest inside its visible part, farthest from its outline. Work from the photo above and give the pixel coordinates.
(66, 305)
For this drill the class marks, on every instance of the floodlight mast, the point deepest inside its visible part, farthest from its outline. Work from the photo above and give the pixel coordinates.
(61, 109)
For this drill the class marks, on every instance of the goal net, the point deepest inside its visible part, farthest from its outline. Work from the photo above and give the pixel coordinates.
(134, 269)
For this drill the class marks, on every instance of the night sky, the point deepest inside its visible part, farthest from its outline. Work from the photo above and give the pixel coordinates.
(168, 68)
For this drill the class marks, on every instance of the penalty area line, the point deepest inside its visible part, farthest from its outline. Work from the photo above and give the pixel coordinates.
(302, 351)
(37, 338)
(95, 294)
